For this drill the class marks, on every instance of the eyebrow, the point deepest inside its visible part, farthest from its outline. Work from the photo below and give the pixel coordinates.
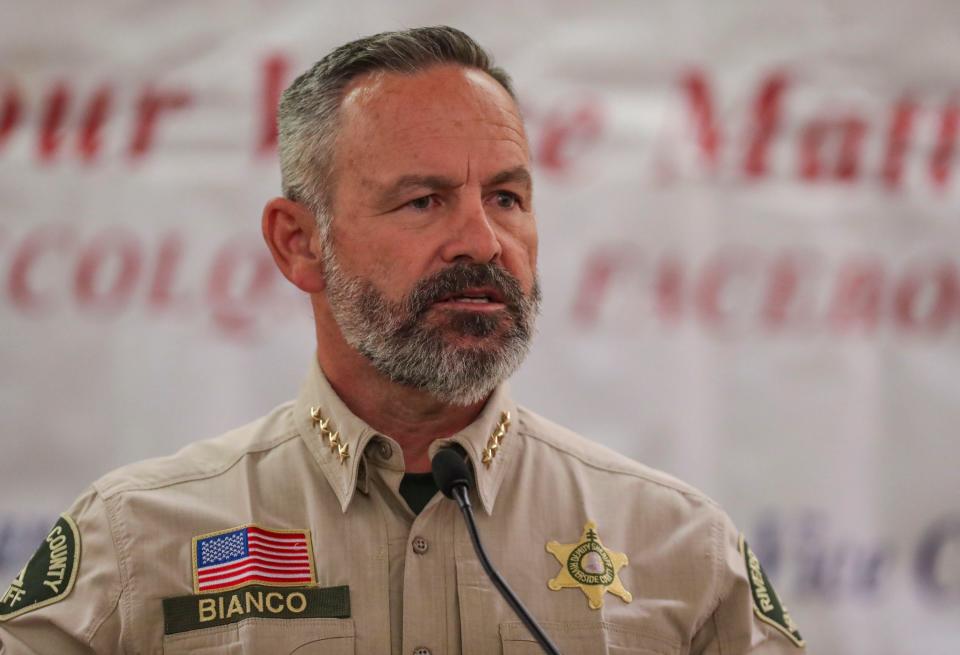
(517, 174)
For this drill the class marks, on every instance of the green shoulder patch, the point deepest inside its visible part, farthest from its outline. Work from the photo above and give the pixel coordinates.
(766, 603)
(49, 575)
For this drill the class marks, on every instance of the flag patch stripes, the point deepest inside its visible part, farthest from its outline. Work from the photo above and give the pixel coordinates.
(250, 554)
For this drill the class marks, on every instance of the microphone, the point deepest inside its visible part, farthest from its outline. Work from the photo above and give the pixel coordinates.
(452, 476)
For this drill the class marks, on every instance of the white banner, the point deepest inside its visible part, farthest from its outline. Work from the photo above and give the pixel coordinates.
(749, 255)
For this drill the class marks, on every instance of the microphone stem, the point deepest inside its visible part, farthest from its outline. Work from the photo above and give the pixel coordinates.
(460, 493)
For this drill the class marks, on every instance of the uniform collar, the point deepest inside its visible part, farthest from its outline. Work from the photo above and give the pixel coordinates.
(339, 440)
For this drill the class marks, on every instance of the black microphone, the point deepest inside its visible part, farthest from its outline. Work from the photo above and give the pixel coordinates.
(452, 475)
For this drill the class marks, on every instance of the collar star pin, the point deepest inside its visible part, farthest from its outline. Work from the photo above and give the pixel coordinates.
(590, 566)
(341, 449)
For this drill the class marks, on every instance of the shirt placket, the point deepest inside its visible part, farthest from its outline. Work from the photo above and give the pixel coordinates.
(430, 613)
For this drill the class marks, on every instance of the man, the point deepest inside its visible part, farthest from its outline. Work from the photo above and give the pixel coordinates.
(407, 217)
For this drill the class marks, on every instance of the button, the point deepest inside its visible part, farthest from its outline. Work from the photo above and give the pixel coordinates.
(385, 449)
(423, 650)
(420, 546)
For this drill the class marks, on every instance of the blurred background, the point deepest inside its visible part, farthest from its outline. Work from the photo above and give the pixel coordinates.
(748, 214)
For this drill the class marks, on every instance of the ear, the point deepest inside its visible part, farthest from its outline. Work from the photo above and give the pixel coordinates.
(289, 229)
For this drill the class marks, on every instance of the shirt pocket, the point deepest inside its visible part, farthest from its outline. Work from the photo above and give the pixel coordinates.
(586, 638)
(255, 636)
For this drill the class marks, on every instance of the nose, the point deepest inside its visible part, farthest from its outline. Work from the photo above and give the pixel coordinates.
(472, 236)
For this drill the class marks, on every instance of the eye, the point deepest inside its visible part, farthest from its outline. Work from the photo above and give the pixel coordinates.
(422, 203)
(506, 200)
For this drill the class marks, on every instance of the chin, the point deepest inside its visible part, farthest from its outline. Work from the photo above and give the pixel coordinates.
(474, 343)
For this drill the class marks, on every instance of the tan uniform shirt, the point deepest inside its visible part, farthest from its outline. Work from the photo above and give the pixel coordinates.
(664, 560)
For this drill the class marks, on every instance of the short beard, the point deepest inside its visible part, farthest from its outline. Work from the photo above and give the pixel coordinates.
(396, 339)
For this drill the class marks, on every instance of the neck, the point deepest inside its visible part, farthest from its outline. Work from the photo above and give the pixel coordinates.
(413, 418)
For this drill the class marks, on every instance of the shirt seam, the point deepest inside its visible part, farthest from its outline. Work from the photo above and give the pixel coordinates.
(95, 627)
(716, 629)
(592, 464)
(198, 475)
(124, 575)
(716, 556)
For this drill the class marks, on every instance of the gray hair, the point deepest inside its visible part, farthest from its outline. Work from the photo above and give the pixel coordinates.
(309, 108)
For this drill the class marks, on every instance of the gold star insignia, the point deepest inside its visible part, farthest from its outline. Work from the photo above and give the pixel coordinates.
(493, 443)
(332, 436)
(590, 566)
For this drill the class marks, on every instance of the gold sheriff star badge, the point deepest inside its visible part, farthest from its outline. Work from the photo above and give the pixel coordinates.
(590, 566)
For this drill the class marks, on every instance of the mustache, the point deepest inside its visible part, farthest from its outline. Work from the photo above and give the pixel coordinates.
(457, 278)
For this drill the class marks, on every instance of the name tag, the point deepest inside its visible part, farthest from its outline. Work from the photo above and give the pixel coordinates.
(185, 613)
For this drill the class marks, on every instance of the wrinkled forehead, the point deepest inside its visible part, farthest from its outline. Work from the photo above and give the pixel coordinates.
(441, 101)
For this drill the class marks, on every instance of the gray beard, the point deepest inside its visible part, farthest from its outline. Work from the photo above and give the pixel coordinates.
(398, 342)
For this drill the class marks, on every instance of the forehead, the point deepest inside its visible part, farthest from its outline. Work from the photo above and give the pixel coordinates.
(383, 113)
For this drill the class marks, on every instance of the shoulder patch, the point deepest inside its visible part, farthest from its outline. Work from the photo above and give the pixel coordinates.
(49, 575)
(766, 603)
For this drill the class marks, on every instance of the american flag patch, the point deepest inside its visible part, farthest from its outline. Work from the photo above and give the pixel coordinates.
(250, 554)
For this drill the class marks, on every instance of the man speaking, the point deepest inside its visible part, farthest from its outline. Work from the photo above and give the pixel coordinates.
(407, 216)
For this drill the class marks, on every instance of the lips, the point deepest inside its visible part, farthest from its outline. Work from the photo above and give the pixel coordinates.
(472, 288)
(476, 296)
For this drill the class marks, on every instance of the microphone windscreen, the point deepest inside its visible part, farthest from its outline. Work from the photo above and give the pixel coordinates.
(449, 471)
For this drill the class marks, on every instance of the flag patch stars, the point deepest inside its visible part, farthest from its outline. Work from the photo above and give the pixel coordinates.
(248, 555)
